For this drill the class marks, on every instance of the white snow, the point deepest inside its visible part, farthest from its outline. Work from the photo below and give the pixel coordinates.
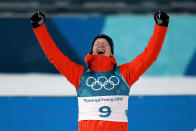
(57, 85)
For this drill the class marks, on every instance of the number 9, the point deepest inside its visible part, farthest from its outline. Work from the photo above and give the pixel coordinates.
(106, 110)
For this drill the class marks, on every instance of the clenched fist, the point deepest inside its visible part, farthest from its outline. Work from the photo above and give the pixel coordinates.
(161, 18)
(37, 19)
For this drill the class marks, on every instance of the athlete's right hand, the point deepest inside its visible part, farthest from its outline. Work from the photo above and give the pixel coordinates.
(37, 19)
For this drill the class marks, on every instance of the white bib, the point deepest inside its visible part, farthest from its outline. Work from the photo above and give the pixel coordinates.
(109, 108)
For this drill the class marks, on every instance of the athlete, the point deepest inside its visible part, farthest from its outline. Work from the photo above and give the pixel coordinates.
(102, 87)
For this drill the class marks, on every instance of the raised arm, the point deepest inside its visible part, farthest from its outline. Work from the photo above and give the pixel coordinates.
(63, 64)
(133, 70)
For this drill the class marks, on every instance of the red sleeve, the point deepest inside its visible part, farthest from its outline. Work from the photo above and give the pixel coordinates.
(133, 70)
(63, 64)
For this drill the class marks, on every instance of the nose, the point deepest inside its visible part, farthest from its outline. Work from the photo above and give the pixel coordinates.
(101, 44)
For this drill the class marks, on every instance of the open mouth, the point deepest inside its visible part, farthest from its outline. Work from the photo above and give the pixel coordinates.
(100, 51)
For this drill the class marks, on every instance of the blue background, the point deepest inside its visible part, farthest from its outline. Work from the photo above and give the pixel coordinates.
(20, 51)
(150, 113)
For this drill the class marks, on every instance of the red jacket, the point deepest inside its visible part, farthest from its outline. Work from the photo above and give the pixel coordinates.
(73, 72)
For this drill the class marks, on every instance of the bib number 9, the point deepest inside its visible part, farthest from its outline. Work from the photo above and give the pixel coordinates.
(105, 111)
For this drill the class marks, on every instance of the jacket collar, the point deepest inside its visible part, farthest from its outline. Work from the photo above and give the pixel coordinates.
(100, 62)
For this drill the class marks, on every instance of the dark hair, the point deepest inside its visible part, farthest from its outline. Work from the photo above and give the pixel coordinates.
(104, 37)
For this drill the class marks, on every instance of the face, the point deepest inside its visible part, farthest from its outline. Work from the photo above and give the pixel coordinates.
(102, 47)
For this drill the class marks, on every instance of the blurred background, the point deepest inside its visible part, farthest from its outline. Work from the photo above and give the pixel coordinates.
(35, 97)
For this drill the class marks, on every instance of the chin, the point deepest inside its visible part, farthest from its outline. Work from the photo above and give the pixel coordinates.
(108, 55)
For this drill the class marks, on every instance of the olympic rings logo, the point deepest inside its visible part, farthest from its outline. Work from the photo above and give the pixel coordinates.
(102, 82)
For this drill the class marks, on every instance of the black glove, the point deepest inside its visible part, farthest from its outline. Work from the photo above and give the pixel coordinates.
(161, 18)
(37, 19)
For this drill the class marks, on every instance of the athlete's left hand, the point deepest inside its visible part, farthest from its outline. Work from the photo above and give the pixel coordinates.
(161, 18)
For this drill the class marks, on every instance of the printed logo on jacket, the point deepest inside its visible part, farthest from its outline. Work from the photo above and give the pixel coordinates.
(102, 82)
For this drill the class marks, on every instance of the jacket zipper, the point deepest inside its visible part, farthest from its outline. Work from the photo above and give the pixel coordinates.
(101, 63)
(100, 123)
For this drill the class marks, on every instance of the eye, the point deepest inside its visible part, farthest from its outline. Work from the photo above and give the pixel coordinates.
(97, 43)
